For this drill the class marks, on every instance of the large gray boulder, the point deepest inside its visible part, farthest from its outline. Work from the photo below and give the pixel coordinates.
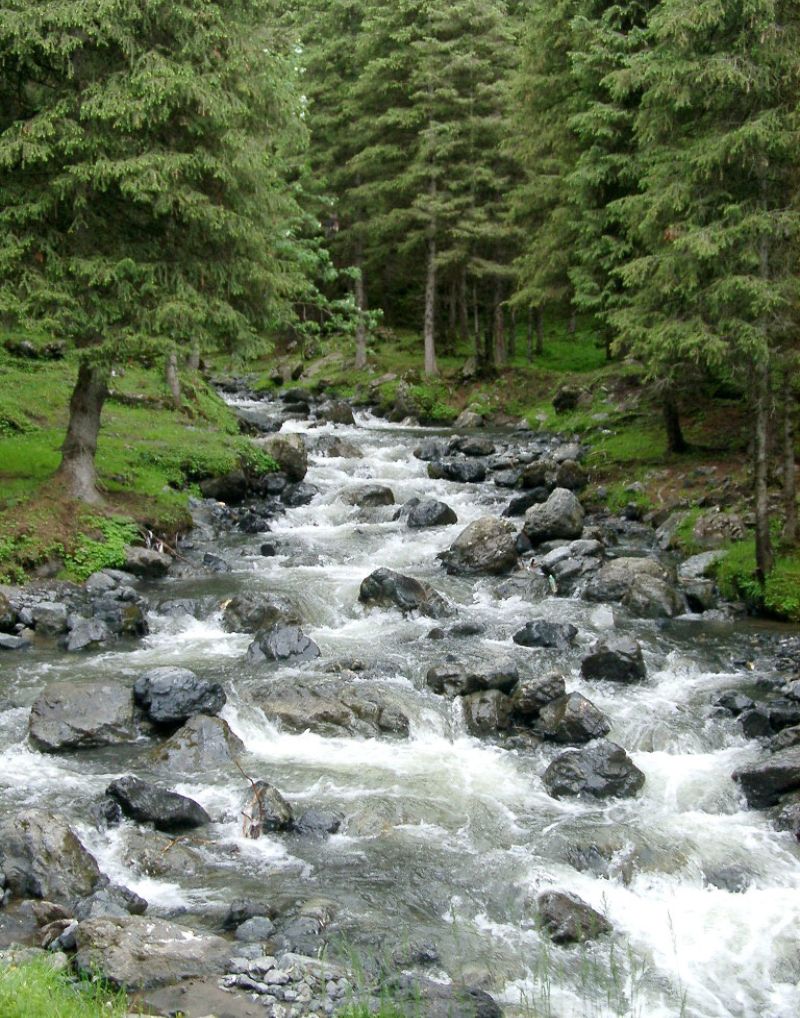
(289, 452)
(614, 580)
(561, 516)
(487, 545)
(540, 633)
(455, 679)
(615, 659)
(764, 783)
(146, 562)
(487, 712)
(42, 857)
(282, 643)
(368, 496)
(431, 513)
(389, 589)
(532, 694)
(170, 695)
(601, 769)
(332, 707)
(572, 719)
(567, 919)
(81, 715)
(204, 743)
(148, 803)
(251, 611)
(87, 634)
(462, 471)
(140, 953)
(651, 597)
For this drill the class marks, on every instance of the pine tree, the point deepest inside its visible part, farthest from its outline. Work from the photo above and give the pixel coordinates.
(143, 152)
(717, 216)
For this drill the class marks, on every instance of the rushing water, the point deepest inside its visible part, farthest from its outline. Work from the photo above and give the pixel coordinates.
(448, 838)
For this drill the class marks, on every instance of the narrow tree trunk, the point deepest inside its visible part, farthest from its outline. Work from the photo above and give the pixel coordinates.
(572, 325)
(360, 292)
(512, 335)
(193, 360)
(430, 311)
(499, 329)
(463, 310)
(672, 422)
(476, 324)
(172, 378)
(529, 327)
(764, 556)
(539, 331)
(789, 465)
(77, 469)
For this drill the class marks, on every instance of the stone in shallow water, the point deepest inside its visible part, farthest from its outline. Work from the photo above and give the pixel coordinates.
(386, 588)
(172, 695)
(615, 659)
(764, 783)
(282, 643)
(81, 715)
(42, 857)
(201, 744)
(569, 920)
(166, 810)
(572, 718)
(487, 545)
(539, 633)
(601, 769)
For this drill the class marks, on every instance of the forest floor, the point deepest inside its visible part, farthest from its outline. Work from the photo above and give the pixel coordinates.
(151, 455)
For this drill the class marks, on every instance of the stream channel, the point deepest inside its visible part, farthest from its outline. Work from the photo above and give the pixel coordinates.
(448, 838)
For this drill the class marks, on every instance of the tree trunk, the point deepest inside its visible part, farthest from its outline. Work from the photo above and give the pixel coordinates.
(463, 310)
(512, 335)
(499, 329)
(193, 360)
(77, 468)
(476, 322)
(789, 465)
(171, 375)
(529, 326)
(539, 331)
(361, 305)
(430, 311)
(672, 422)
(572, 325)
(763, 538)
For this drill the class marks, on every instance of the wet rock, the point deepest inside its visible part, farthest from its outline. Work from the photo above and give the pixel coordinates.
(468, 419)
(81, 715)
(615, 659)
(453, 679)
(170, 695)
(561, 516)
(86, 634)
(571, 475)
(111, 900)
(569, 920)
(337, 447)
(601, 769)
(13, 642)
(49, 618)
(533, 586)
(282, 643)
(787, 818)
(42, 857)
(462, 471)
(317, 824)
(764, 783)
(203, 743)
(487, 712)
(332, 707)
(508, 479)
(137, 953)
(215, 563)
(289, 452)
(755, 723)
(368, 496)
(522, 503)
(538, 476)
(251, 611)
(336, 412)
(651, 597)
(267, 809)
(487, 545)
(231, 488)
(243, 909)
(531, 695)
(541, 633)
(388, 589)
(785, 739)
(473, 445)
(146, 562)
(572, 719)
(734, 701)
(105, 813)
(614, 580)
(431, 449)
(300, 494)
(431, 513)
(255, 930)
(123, 617)
(148, 803)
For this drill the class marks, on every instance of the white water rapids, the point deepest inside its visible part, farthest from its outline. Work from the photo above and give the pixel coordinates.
(448, 838)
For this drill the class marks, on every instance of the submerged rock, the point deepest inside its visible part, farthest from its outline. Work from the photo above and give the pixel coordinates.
(387, 589)
(602, 769)
(567, 919)
(615, 659)
(166, 810)
(282, 643)
(572, 719)
(368, 496)
(203, 743)
(81, 715)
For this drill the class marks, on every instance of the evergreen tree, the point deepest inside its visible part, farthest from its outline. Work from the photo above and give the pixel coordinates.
(143, 154)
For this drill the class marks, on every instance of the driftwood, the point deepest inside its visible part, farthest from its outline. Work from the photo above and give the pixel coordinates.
(252, 822)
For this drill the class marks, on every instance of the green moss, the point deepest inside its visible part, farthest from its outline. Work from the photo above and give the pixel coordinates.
(107, 551)
(35, 990)
(780, 596)
(620, 496)
(633, 444)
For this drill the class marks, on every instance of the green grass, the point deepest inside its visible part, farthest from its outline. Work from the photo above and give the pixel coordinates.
(35, 990)
(780, 596)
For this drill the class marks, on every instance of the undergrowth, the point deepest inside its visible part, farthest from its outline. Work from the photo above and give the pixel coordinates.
(780, 595)
(35, 990)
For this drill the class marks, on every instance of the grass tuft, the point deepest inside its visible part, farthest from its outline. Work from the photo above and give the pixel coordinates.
(35, 990)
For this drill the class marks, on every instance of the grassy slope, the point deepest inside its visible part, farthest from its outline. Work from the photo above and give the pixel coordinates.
(35, 990)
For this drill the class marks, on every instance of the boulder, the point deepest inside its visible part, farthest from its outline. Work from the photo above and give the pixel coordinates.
(452, 679)
(538, 476)
(531, 695)
(367, 496)
(487, 712)
(431, 513)
(571, 475)
(42, 857)
(764, 783)
(122, 616)
(734, 701)
(787, 817)
(14, 642)
(251, 611)
(332, 707)
(146, 562)
(701, 566)
(473, 445)
(568, 920)
(519, 505)
(49, 618)
(148, 803)
(487, 545)
(265, 809)
(651, 597)
(716, 528)
(81, 715)
(255, 930)
(430, 449)
(337, 447)
(336, 412)
(614, 659)
(314, 823)
(139, 953)
(468, 419)
(572, 719)
(242, 909)
(541, 633)
(296, 495)
(561, 516)
(389, 589)
(462, 471)
(111, 900)
(231, 488)
(204, 743)
(289, 452)
(169, 696)
(615, 579)
(282, 643)
(85, 634)
(601, 769)
(8, 615)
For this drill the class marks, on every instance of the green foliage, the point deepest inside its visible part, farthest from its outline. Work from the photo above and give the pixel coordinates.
(104, 552)
(620, 496)
(35, 990)
(780, 595)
